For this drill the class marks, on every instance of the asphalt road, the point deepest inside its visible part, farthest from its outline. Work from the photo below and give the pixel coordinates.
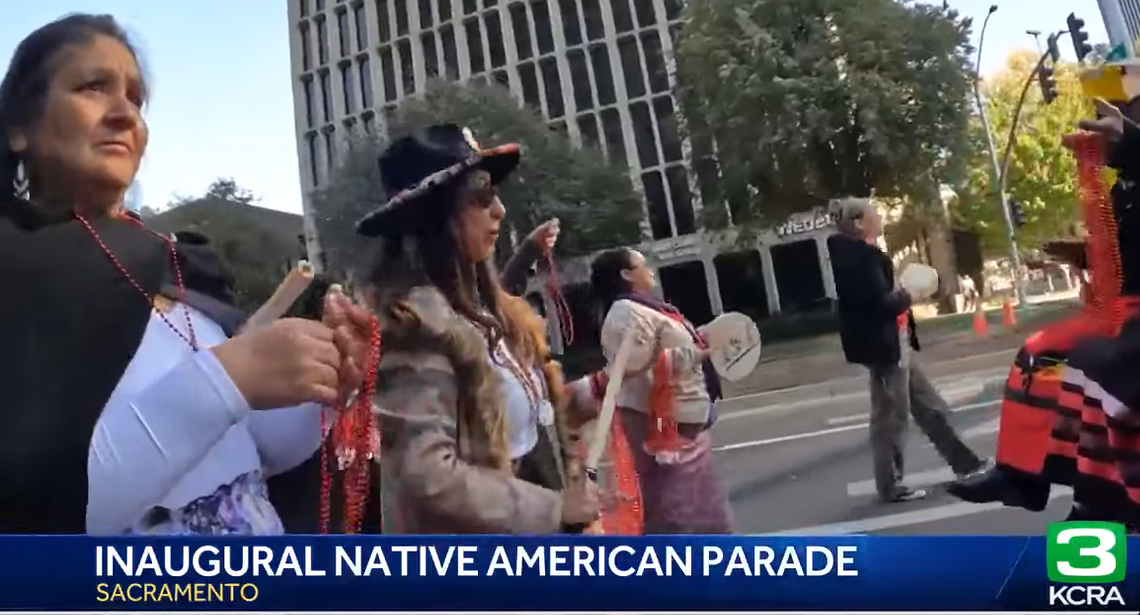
(804, 466)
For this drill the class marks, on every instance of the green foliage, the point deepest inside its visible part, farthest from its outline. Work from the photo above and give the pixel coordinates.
(595, 200)
(809, 100)
(1042, 173)
(258, 245)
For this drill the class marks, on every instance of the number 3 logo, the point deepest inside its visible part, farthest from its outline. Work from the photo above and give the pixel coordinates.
(1106, 560)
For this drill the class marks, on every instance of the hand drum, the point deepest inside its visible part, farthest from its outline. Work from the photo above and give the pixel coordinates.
(734, 342)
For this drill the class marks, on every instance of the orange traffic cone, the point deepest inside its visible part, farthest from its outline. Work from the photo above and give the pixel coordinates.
(1008, 317)
(981, 328)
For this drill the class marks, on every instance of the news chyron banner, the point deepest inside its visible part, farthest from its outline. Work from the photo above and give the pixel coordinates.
(1075, 567)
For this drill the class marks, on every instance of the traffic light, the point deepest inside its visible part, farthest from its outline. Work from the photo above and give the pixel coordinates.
(1080, 38)
(1016, 214)
(1054, 51)
(1048, 83)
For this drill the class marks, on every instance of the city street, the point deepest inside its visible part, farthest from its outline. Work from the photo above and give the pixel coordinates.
(804, 466)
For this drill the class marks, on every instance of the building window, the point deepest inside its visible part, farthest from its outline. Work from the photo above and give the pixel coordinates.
(475, 46)
(342, 32)
(407, 67)
(559, 127)
(673, 9)
(382, 20)
(330, 151)
(643, 134)
(470, 6)
(326, 97)
(502, 78)
(495, 40)
(615, 139)
(552, 84)
(450, 54)
(675, 33)
(365, 71)
(425, 14)
(580, 79)
(490, 3)
(667, 129)
(322, 42)
(529, 82)
(320, 5)
(522, 31)
(314, 171)
(361, 27)
(401, 17)
(543, 32)
(306, 61)
(655, 61)
(388, 73)
(346, 86)
(444, 10)
(431, 56)
(657, 205)
(588, 127)
(369, 124)
(304, 7)
(646, 16)
(595, 27)
(623, 19)
(682, 199)
(631, 67)
(571, 28)
(307, 88)
(603, 76)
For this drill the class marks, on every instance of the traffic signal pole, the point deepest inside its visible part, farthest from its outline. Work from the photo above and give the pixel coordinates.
(999, 183)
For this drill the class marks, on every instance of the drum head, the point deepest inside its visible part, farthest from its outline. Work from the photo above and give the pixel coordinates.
(919, 280)
(734, 342)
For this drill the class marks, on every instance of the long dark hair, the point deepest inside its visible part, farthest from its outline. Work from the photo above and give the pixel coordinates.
(425, 249)
(25, 86)
(606, 281)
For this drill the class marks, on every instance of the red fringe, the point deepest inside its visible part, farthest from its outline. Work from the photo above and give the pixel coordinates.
(663, 433)
(1102, 244)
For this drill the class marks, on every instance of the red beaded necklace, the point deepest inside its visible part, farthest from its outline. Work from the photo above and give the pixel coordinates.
(192, 338)
(352, 431)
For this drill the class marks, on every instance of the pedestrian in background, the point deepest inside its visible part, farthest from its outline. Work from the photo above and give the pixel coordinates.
(877, 331)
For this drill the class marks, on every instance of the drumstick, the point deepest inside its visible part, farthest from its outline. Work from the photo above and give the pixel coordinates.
(287, 293)
(609, 403)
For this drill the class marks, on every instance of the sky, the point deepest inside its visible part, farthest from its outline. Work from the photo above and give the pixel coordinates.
(222, 100)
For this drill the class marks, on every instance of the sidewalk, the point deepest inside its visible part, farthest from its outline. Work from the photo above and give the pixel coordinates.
(946, 351)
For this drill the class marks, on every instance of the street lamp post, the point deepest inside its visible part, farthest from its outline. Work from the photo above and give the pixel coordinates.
(995, 167)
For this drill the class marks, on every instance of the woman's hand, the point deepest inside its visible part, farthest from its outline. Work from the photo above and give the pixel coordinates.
(546, 235)
(286, 363)
(1109, 125)
(580, 505)
(352, 334)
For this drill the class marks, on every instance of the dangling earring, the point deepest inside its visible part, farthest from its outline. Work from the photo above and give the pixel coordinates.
(21, 185)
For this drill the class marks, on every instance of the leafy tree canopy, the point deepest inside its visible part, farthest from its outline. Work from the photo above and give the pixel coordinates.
(1042, 173)
(809, 100)
(595, 200)
(258, 245)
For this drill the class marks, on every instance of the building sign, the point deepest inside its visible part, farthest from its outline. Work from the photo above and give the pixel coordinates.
(674, 250)
(798, 224)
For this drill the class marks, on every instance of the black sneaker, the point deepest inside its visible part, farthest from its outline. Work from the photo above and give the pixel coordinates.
(986, 465)
(906, 494)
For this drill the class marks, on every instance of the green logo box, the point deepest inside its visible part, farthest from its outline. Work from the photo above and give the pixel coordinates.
(1086, 552)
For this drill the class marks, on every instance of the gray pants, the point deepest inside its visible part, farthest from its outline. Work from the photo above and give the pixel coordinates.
(899, 390)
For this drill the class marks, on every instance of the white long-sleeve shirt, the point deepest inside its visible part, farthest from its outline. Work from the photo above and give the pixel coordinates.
(177, 448)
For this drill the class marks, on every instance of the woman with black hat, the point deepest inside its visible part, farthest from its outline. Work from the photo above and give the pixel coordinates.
(127, 408)
(461, 356)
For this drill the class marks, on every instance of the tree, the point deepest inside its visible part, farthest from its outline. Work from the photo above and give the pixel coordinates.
(1042, 173)
(257, 245)
(809, 100)
(594, 200)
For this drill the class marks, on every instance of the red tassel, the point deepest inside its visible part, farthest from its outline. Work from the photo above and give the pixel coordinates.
(664, 437)
(1102, 244)
(624, 516)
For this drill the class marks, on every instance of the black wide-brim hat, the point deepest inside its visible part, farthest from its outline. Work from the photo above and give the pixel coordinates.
(416, 166)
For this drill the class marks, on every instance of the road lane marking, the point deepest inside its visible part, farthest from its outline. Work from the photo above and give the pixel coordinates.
(914, 517)
(952, 395)
(829, 431)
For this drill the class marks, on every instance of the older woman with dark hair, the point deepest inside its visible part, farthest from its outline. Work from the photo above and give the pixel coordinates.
(128, 408)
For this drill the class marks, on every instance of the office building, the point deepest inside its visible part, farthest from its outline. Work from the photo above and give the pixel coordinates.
(1122, 22)
(599, 70)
